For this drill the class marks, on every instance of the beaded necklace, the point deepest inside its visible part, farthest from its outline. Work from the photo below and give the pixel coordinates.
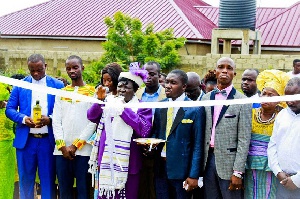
(270, 120)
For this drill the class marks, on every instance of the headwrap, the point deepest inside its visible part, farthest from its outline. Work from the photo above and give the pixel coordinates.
(4, 93)
(136, 74)
(274, 79)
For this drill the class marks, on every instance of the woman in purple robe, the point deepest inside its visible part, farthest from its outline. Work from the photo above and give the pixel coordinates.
(116, 159)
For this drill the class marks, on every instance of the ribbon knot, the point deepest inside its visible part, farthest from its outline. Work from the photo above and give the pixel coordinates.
(223, 92)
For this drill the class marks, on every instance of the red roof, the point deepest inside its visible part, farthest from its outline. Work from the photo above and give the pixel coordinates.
(279, 26)
(69, 18)
(192, 19)
(283, 29)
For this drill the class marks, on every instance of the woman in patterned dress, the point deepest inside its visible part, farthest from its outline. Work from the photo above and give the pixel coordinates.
(7, 151)
(260, 182)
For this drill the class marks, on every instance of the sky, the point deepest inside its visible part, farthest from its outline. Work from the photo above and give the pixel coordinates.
(10, 6)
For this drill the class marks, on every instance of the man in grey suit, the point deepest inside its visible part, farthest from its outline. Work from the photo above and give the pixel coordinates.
(227, 137)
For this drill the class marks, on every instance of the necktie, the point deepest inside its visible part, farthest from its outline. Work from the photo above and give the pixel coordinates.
(223, 92)
(169, 124)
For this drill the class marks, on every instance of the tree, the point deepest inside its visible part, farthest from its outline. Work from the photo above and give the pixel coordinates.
(127, 42)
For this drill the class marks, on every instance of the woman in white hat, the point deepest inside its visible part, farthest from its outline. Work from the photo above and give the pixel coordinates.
(115, 159)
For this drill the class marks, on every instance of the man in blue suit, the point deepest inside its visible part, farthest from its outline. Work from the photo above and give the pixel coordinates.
(179, 160)
(34, 141)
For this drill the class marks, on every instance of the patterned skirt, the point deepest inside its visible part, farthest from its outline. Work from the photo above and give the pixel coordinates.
(260, 184)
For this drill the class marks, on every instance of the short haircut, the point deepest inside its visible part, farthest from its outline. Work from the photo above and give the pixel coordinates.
(210, 78)
(76, 57)
(114, 70)
(181, 74)
(154, 63)
(126, 80)
(193, 77)
(18, 76)
(295, 61)
(227, 59)
(295, 81)
(253, 69)
(34, 58)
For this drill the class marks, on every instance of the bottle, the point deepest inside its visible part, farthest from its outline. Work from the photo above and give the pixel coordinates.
(37, 112)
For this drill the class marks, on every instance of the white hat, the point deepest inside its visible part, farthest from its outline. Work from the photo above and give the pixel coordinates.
(135, 78)
(136, 74)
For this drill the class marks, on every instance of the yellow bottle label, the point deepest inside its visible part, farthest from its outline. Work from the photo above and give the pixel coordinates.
(37, 114)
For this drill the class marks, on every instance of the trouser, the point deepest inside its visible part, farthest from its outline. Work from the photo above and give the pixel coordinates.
(67, 170)
(214, 186)
(146, 191)
(284, 193)
(169, 188)
(37, 154)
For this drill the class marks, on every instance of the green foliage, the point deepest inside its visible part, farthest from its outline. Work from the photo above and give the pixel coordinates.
(91, 73)
(8, 73)
(127, 42)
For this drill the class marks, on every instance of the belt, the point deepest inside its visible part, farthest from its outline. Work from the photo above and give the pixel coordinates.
(164, 158)
(39, 135)
(211, 150)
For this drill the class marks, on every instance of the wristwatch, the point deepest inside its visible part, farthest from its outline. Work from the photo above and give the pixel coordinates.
(238, 175)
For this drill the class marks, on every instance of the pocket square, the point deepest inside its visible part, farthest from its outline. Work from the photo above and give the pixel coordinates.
(229, 116)
(186, 121)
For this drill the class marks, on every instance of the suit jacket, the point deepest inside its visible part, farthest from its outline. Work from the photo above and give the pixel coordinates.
(232, 135)
(19, 106)
(161, 96)
(184, 143)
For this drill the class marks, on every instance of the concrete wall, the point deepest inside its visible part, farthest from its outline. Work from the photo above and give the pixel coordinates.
(14, 60)
(201, 64)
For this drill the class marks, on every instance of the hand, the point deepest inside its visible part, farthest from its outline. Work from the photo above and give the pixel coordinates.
(66, 152)
(192, 184)
(44, 121)
(29, 122)
(235, 183)
(288, 183)
(282, 175)
(101, 92)
(72, 150)
(146, 148)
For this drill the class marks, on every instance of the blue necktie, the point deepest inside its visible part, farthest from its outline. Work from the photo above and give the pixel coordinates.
(223, 92)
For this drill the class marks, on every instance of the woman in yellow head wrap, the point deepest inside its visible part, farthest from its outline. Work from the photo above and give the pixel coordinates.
(7, 151)
(260, 182)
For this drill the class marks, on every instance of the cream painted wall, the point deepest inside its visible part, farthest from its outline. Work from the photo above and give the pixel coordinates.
(14, 52)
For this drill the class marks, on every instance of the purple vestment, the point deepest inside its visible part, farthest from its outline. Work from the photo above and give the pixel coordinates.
(141, 123)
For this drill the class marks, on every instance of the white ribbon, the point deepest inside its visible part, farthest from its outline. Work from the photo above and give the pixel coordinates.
(76, 96)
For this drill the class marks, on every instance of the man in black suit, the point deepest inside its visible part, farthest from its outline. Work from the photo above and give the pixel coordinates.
(180, 158)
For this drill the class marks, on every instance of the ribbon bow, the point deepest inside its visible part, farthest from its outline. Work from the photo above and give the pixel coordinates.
(135, 69)
(223, 92)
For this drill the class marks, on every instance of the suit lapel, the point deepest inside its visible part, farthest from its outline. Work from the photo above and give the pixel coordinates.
(224, 108)
(29, 95)
(178, 119)
(163, 118)
(163, 121)
(48, 84)
(179, 116)
(212, 97)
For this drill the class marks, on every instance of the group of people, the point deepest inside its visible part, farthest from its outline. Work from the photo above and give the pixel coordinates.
(231, 151)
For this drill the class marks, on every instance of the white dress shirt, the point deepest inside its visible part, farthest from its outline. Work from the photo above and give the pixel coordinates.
(284, 147)
(175, 109)
(42, 97)
(291, 74)
(70, 122)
